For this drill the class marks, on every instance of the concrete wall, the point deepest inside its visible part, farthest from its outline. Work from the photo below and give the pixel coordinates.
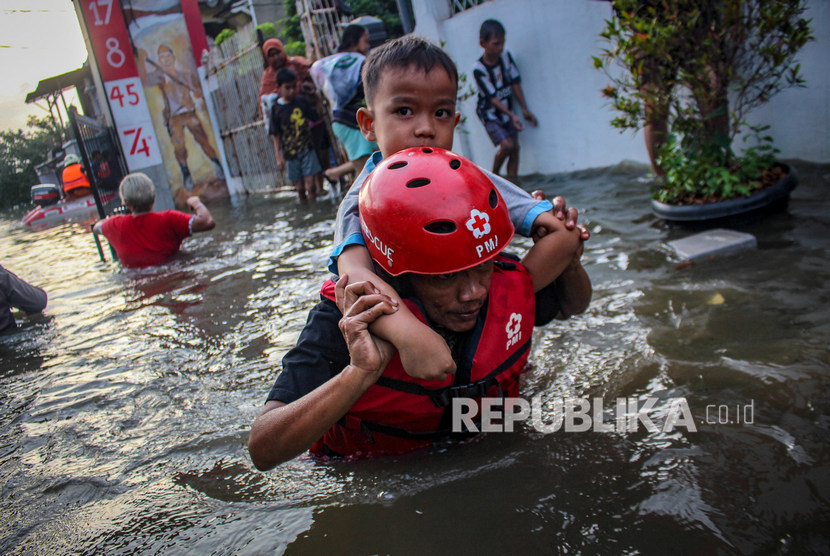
(553, 42)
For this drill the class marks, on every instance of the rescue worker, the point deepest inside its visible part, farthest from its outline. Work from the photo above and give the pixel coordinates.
(435, 227)
(75, 182)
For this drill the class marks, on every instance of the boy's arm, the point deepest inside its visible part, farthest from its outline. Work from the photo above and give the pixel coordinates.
(524, 209)
(517, 123)
(555, 258)
(424, 354)
(570, 216)
(278, 153)
(520, 97)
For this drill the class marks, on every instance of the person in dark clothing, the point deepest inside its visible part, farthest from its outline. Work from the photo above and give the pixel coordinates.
(17, 293)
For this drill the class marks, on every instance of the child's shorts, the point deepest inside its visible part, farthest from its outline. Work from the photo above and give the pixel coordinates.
(302, 165)
(353, 140)
(498, 131)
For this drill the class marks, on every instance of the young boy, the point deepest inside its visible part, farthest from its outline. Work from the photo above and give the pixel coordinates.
(498, 80)
(290, 116)
(411, 88)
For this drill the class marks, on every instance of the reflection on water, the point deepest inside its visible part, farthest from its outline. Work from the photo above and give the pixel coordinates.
(125, 408)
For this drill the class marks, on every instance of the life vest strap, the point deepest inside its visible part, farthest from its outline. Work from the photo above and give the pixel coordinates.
(443, 396)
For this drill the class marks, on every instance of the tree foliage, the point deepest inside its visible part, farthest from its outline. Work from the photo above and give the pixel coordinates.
(20, 151)
(702, 66)
(385, 10)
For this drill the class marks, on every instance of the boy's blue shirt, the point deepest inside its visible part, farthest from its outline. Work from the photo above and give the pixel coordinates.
(522, 207)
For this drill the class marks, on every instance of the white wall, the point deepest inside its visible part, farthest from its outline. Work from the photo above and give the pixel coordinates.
(553, 42)
(799, 118)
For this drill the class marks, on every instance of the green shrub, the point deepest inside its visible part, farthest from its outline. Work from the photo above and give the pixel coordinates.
(224, 35)
(703, 66)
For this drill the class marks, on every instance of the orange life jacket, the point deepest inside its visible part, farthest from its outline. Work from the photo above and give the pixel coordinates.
(74, 178)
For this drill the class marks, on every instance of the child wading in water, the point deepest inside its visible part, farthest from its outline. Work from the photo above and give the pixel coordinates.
(498, 80)
(290, 117)
(411, 88)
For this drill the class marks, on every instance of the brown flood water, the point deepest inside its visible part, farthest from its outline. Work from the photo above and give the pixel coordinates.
(125, 408)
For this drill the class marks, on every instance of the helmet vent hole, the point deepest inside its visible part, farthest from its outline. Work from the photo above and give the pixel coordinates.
(441, 227)
(427, 150)
(417, 182)
(455, 164)
(494, 198)
(398, 165)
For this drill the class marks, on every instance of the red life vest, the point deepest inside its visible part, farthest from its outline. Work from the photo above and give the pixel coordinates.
(399, 413)
(73, 178)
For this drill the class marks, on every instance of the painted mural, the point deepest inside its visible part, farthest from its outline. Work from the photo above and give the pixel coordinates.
(168, 71)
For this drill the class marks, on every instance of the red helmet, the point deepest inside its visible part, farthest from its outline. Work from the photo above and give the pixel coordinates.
(430, 211)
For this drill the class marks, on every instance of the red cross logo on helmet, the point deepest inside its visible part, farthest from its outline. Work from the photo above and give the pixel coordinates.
(479, 223)
(436, 212)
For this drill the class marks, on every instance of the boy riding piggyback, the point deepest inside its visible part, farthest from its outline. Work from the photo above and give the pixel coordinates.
(411, 87)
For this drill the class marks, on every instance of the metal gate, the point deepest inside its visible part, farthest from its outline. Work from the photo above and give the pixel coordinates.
(99, 149)
(234, 72)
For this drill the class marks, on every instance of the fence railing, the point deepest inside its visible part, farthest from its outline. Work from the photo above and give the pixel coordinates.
(234, 72)
(460, 5)
(322, 23)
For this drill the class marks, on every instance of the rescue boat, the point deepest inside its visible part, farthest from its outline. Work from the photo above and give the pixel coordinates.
(51, 211)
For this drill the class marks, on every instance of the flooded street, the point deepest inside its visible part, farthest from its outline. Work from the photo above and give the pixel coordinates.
(125, 408)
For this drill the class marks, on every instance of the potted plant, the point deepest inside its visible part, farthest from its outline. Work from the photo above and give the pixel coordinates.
(687, 73)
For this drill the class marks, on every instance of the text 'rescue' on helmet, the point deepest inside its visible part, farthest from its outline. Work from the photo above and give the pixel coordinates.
(430, 211)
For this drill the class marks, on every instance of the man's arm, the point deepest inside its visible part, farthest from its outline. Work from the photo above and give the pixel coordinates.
(552, 254)
(555, 259)
(283, 431)
(573, 290)
(203, 221)
(21, 294)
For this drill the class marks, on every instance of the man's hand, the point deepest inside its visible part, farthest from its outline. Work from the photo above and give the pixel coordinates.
(203, 221)
(569, 216)
(194, 202)
(528, 115)
(361, 304)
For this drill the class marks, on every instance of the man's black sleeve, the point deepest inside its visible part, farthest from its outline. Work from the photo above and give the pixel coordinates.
(547, 301)
(547, 304)
(320, 354)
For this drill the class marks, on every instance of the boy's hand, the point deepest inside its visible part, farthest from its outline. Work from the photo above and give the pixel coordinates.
(517, 123)
(569, 216)
(530, 117)
(280, 164)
